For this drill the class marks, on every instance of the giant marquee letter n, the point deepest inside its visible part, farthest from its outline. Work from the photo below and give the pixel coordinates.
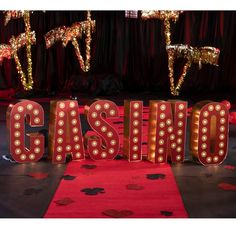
(32, 113)
(167, 131)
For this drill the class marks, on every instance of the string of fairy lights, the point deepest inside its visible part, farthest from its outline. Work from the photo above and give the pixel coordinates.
(201, 55)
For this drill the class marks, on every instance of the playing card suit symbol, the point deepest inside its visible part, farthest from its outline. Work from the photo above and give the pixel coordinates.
(155, 176)
(31, 191)
(117, 214)
(38, 175)
(134, 187)
(87, 166)
(226, 186)
(64, 201)
(166, 213)
(229, 167)
(92, 191)
(68, 177)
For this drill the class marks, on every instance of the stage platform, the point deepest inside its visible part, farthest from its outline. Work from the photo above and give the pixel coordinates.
(36, 190)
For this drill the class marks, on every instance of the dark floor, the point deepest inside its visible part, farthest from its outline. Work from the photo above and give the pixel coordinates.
(22, 195)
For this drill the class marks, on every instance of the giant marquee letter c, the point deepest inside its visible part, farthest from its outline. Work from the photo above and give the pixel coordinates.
(32, 113)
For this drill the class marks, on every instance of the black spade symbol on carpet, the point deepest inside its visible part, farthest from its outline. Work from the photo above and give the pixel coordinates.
(87, 166)
(166, 213)
(31, 191)
(68, 177)
(92, 191)
(155, 176)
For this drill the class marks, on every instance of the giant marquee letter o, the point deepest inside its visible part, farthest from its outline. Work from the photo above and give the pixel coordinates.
(209, 132)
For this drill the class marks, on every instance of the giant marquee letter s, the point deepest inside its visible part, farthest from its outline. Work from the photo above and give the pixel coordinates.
(107, 145)
(33, 113)
(65, 135)
(167, 132)
(209, 132)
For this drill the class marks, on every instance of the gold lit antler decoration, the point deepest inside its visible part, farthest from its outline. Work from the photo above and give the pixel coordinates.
(28, 38)
(166, 16)
(66, 34)
(199, 55)
(206, 55)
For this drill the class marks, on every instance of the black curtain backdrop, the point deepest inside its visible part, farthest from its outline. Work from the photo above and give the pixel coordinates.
(126, 53)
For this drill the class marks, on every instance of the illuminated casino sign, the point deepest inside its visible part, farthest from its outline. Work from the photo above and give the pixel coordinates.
(167, 122)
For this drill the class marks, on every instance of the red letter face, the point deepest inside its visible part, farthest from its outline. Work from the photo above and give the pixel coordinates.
(106, 145)
(65, 135)
(209, 132)
(166, 136)
(133, 122)
(33, 113)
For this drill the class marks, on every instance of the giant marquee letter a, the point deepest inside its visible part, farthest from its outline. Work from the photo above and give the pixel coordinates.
(65, 135)
(167, 131)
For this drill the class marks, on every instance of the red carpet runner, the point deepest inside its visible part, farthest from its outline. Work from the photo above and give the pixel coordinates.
(117, 189)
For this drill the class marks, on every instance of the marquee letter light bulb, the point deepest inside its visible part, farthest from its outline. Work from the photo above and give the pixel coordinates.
(166, 136)
(33, 114)
(209, 132)
(106, 145)
(65, 134)
(133, 122)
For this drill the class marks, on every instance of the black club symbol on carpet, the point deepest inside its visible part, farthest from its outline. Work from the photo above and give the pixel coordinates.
(92, 191)
(88, 166)
(155, 176)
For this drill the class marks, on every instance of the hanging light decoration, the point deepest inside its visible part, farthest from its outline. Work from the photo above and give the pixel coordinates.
(28, 38)
(66, 34)
(166, 16)
(205, 55)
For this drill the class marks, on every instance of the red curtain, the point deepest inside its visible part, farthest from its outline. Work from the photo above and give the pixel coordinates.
(130, 50)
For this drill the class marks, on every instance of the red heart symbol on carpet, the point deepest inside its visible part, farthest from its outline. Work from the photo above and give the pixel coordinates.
(134, 187)
(64, 201)
(227, 186)
(38, 175)
(229, 167)
(117, 214)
